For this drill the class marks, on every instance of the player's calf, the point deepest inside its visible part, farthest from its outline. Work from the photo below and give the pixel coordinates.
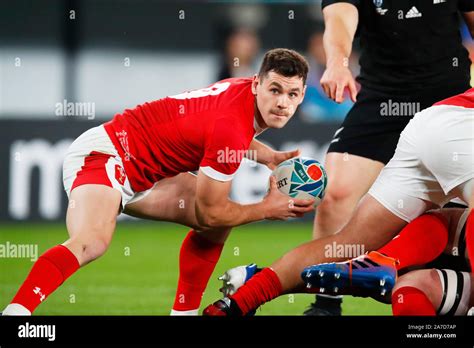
(197, 259)
(91, 222)
(48, 273)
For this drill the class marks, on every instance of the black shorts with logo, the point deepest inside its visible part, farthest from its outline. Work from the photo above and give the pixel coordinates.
(373, 125)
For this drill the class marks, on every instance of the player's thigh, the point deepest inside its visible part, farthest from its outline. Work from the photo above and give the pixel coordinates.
(171, 199)
(350, 176)
(91, 218)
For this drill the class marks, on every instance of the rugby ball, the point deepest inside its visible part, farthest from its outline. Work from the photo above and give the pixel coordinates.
(301, 178)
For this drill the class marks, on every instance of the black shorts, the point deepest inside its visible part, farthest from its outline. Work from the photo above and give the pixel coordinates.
(373, 125)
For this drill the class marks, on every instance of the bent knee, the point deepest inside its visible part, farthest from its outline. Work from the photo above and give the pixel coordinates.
(426, 280)
(340, 195)
(417, 279)
(88, 249)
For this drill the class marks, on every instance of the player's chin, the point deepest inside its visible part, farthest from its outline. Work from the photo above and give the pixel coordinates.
(278, 121)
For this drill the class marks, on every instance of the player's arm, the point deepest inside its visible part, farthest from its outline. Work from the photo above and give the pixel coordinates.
(469, 19)
(215, 209)
(341, 20)
(264, 154)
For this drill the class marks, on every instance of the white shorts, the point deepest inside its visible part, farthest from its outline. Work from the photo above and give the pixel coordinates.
(433, 162)
(93, 159)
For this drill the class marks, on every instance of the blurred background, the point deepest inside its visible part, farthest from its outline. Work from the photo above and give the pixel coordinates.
(67, 66)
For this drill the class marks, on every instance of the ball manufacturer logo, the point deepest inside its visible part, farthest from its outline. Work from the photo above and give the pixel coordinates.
(282, 182)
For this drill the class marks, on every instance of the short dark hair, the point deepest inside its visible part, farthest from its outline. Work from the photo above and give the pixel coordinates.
(285, 62)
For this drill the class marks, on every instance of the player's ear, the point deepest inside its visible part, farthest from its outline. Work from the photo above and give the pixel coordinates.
(303, 94)
(255, 83)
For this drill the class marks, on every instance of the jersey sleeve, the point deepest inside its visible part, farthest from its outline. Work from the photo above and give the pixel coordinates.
(356, 3)
(225, 147)
(466, 5)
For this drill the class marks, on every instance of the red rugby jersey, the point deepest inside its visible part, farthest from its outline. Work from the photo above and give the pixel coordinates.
(465, 100)
(209, 128)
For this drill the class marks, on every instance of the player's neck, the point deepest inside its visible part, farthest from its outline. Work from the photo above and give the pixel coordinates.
(259, 124)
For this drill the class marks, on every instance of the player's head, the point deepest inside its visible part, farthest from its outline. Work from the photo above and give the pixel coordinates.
(280, 86)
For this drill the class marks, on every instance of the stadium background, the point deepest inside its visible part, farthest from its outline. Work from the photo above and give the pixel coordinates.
(110, 55)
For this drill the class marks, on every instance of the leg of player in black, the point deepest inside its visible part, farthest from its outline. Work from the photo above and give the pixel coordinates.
(349, 160)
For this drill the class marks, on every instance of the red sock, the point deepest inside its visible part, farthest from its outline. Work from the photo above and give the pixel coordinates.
(197, 260)
(261, 288)
(48, 273)
(411, 301)
(419, 242)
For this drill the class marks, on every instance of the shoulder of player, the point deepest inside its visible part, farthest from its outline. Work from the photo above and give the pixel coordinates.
(465, 100)
(236, 107)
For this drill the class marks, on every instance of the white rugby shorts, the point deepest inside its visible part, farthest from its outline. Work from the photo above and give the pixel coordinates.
(93, 159)
(433, 161)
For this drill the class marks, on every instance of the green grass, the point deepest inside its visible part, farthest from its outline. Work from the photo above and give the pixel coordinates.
(143, 282)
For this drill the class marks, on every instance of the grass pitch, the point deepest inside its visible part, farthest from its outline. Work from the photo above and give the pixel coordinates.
(138, 274)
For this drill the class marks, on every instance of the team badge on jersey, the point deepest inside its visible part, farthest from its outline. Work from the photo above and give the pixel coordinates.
(378, 7)
(120, 174)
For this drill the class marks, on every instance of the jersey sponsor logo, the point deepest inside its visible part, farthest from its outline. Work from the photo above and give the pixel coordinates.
(413, 13)
(123, 140)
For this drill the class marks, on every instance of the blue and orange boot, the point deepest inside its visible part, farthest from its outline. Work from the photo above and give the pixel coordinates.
(370, 275)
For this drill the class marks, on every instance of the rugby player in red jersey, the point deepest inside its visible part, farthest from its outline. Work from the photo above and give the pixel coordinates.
(138, 163)
(433, 164)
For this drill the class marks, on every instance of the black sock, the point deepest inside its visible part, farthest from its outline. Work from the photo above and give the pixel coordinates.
(328, 302)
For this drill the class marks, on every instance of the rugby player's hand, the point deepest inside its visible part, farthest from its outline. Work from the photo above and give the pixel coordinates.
(280, 156)
(279, 206)
(335, 80)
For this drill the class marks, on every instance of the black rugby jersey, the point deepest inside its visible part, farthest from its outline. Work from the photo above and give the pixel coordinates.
(411, 44)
